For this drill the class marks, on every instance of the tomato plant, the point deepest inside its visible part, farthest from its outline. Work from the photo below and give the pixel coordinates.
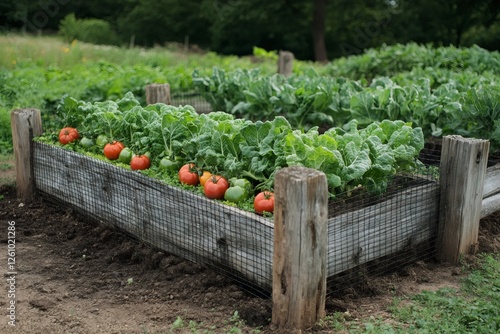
(215, 187)
(204, 177)
(140, 162)
(112, 150)
(189, 175)
(264, 201)
(68, 135)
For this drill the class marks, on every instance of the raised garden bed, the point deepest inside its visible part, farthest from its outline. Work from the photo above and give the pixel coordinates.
(206, 231)
(292, 255)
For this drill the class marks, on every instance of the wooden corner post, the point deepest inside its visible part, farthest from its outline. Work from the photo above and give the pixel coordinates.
(25, 123)
(285, 63)
(463, 168)
(158, 93)
(300, 248)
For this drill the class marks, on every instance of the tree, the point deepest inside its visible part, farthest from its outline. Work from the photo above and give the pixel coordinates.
(318, 27)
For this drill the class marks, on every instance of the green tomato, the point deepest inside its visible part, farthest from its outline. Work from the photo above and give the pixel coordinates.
(125, 155)
(235, 194)
(243, 183)
(168, 164)
(86, 142)
(101, 140)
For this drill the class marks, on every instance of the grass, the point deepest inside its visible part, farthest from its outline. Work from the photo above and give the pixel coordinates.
(37, 71)
(233, 325)
(7, 169)
(53, 51)
(475, 308)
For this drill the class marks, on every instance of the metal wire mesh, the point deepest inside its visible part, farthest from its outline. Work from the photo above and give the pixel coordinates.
(192, 98)
(180, 222)
(374, 234)
(369, 234)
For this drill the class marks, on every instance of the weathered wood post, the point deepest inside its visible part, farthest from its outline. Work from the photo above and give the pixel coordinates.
(463, 167)
(285, 63)
(25, 123)
(300, 248)
(158, 93)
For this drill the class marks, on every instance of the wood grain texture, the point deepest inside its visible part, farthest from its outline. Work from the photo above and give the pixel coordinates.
(462, 174)
(300, 247)
(25, 123)
(491, 191)
(492, 181)
(158, 93)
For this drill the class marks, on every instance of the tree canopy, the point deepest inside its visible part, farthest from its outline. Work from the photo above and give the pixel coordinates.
(318, 29)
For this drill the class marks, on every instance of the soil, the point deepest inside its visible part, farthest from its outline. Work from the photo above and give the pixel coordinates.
(75, 275)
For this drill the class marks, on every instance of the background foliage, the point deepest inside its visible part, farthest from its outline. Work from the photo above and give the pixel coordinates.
(236, 26)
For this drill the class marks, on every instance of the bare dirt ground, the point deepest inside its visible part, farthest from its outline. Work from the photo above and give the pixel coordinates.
(74, 275)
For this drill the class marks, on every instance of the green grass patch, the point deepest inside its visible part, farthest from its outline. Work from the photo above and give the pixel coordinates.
(475, 308)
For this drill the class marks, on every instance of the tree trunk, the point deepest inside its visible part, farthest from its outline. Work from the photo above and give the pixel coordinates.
(318, 28)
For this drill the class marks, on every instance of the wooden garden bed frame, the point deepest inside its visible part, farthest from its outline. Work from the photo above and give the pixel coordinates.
(298, 240)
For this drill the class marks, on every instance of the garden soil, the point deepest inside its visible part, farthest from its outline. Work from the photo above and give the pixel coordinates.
(75, 275)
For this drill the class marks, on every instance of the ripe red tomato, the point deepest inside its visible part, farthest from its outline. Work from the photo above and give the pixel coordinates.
(215, 187)
(264, 201)
(189, 175)
(112, 150)
(140, 162)
(68, 135)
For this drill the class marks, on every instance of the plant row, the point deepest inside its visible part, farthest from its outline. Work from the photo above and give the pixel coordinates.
(234, 148)
(441, 101)
(390, 60)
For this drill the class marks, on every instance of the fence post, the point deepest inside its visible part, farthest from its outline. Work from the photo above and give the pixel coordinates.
(158, 93)
(463, 168)
(285, 63)
(25, 123)
(300, 248)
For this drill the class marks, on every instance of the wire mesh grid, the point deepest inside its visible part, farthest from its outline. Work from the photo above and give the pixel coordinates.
(369, 234)
(374, 234)
(193, 98)
(180, 222)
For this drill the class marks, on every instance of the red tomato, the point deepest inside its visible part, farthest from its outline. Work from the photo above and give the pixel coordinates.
(215, 187)
(189, 175)
(68, 135)
(140, 162)
(112, 150)
(264, 201)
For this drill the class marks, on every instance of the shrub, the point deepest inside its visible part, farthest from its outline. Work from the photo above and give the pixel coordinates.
(93, 31)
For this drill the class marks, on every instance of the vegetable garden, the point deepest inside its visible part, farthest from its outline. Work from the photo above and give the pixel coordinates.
(335, 158)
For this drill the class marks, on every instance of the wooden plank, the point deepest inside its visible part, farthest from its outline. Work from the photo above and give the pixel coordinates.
(492, 181)
(462, 174)
(382, 229)
(164, 216)
(300, 248)
(25, 123)
(490, 205)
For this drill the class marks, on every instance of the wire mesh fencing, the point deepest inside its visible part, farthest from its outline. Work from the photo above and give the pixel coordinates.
(191, 97)
(369, 233)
